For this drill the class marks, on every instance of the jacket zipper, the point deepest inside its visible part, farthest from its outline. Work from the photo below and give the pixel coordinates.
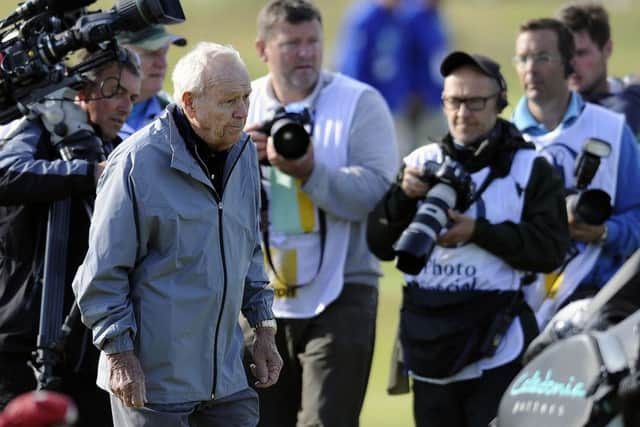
(218, 199)
(224, 297)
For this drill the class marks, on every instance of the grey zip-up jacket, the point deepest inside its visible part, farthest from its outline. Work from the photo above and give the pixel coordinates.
(170, 266)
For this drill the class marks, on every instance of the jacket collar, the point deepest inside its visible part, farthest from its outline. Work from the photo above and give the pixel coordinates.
(184, 161)
(494, 150)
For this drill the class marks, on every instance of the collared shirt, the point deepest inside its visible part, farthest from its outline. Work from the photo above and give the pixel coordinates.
(211, 162)
(623, 236)
(526, 123)
(142, 113)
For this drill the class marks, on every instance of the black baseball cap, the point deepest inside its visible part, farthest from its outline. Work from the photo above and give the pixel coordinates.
(486, 65)
(152, 37)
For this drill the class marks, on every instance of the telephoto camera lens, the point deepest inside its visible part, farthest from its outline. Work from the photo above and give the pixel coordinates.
(289, 138)
(417, 241)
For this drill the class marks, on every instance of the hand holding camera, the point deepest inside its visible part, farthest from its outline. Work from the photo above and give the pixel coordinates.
(290, 129)
(413, 184)
(583, 231)
(284, 141)
(259, 139)
(460, 229)
(300, 167)
(449, 187)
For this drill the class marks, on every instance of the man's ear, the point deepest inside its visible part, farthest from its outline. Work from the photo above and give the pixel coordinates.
(188, 101)
(261, 47)
(607, 49)
(82, 95)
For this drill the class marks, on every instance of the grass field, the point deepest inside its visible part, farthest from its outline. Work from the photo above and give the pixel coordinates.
(483, 26)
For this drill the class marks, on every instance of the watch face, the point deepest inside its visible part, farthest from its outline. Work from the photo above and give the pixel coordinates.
(269, 323)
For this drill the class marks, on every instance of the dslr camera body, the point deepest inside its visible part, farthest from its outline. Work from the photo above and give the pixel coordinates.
(451, 188)
(291, 128)
(591, 206)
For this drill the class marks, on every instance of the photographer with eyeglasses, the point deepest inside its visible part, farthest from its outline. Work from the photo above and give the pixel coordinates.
(478, 209)
(55, 156)
(562, 126)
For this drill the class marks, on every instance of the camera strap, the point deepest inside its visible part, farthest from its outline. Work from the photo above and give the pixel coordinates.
(322, 219)
(483, 187)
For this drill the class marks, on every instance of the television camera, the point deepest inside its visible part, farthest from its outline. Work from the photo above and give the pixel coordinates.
(37, 37)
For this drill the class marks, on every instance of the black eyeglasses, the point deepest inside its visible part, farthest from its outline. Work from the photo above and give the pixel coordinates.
(521, 61)
(474, 103)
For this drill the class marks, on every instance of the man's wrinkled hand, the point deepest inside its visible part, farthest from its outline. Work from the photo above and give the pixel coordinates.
(126, 379)
(267, 362)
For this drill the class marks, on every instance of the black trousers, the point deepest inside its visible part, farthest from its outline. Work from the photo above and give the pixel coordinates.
(16, 377)
(471, 403)
(327, 360)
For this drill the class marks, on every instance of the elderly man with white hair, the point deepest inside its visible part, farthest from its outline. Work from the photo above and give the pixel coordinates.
(174, 256)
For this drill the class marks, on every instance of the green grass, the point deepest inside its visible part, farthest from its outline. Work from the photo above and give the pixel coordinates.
(483, 26)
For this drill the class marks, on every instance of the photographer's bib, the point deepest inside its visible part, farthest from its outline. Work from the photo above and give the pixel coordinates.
(562, 147)
(469, 268)
(308, 259)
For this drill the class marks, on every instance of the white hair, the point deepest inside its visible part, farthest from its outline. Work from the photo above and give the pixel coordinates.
(192, 72)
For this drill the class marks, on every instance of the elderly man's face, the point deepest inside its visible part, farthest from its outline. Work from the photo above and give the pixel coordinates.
(110, 113)
(539, 65)
(293, 54)
(469, 102)
(218, 115)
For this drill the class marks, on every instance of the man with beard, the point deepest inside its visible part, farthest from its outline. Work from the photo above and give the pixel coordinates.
(324, 277)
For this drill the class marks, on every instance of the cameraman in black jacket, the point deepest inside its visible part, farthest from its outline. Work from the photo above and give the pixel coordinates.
(464, 323)
(32, 176)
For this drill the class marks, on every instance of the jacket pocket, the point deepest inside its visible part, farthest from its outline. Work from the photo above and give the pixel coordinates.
(195, 232)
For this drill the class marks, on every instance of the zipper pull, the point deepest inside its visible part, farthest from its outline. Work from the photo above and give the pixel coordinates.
(220, 206)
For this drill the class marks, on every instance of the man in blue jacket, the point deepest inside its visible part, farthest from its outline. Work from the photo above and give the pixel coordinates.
(174, 255)
(152, 45)
(559, 122)
(396, 48)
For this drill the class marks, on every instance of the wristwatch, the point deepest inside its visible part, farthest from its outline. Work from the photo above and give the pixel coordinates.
(268, 323)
